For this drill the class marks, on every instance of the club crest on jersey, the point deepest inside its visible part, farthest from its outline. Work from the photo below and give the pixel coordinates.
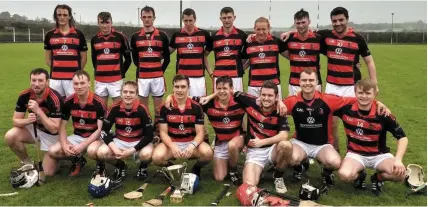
(359, 131)
(261, 125)
(226, 49)
(338, 51)
(82, 122)
(226, 120)
(190, 46)
(302, 53)
(262, 55)
(149, 50)
(64, 47)
(106, 51)
(181, 127)
(128, 129)
(310, 120)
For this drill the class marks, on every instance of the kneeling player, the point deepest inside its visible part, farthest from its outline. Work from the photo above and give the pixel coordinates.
(366, 133)
(87, 112)
(134, 134)
(181, 130)
(268, 134)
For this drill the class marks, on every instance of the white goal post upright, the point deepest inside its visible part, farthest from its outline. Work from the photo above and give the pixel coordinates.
(29, 35)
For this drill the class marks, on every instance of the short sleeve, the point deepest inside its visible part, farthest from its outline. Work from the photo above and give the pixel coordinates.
(199, 115)
(208, 41)
(244, 98)
(162, 115)
(172, 41)
(101, 111)
(363, 49)
(83, 45)
(281, 45)
(394, 127)
(283, 124)
(21, 104)
(66, 111)
(55, 109)
(244, 54)
(47, 44)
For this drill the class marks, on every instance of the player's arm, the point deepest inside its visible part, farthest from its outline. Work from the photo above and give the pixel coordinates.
(199, 126)
(48, 50)
(52, 122)
(244, 98)
(364, 51)
(394, 127)
(62, 134)
(172, 44)
(126, 52)
(244, 57)
(283, 49)
(108, 122)
(282, 135)
(19, 119)
(135, 57)
(83, 51)
(93, 54)
(163, 128)
(166, 54)
(148, 132)
(208, 49)
(48, 57)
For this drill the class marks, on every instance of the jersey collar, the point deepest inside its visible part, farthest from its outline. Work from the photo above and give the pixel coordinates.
(221, 31)
(300, 98)
(195, 29)
(88, 100)
(72, 29)
(372, 112)
(155, 31)
(188, 103)
(310, 35)
(350, 32)
(134, 106)
(218, 106)
(109, 35)
(44, 96)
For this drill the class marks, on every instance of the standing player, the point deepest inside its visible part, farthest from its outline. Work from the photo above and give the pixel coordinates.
(192, 46)
(149, 47)
(65, 51)
(228, 42)
(366, 133)
(263, 53)
(181, 130)
(134, 134)
(268, 134)
(87, 112)
(44, 106)
(111, 59)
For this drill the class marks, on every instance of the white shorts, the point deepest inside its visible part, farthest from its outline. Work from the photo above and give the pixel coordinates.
(342, 91)
(255, 91)
(182, 145)
(108, 89)
(369, 161)
(154, 86)
(260, 156)
(221, 150)
(63, 87)
(237, 84)
(293, 90)
(310, 149)
(197, 87)
(46, 140)
(124, 145)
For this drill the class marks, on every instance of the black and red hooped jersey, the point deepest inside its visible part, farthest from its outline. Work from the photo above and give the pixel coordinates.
(85, 117)
(366, 130)
(190, 51)
(264, 62)
(108, 52)
(51, 104)
(181, 123)
(132, 124)
(148, 50)
(227, 52)
(260, 124)
(303, 53)
(342, 53)
(65, 52)
(227, 122)
(313, 118)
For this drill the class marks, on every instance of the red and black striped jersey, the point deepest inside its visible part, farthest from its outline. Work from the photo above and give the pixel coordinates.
(190, 51)
(84, 117)
(227, 122)
(65, 52)
(181, 123)
(111, 56)
(303, 53)
(366, 130)
(261, 125)
(51, 104)
(227, 52)
(132, 124)
(148, 50)
(264, 62)
(313, 118)
(342, 53)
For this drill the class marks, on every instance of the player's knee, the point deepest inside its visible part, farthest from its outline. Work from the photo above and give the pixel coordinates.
(345, 174)
(232, 146)
(400, 178)
(146, 155)
(285, 146)
(49, 172)
(158, 158)
(9, 137)
(53, 152)
(92, 152)
(206, 154)
(333, 162)
(218, 177)
(102, 152)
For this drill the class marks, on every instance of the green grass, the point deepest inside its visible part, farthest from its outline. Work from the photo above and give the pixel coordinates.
(402, 81)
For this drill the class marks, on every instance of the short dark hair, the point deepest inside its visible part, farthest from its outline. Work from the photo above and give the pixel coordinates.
(189, 12)
(104, 16)
(70, 13)
(131, 83)
(301, 14)
(80, 73)
(366, 85)
(224, 80)
(180, 77)
(148, 9)
(270, 84)
(338, 11)
(226, 10)
(309, 71)
(38, 71)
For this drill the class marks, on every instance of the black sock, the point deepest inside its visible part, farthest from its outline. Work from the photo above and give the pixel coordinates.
(143, 165)
(233, 169)
(120, 164)
(298, 168)
(101, 164)
(327, 171)
(75, 159)
(278, 173)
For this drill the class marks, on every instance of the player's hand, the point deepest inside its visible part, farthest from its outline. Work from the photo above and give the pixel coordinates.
(168, 102)
(78, 149)
(33, 106)
(126, 153)
(250, 38)
(117, 152)
(281, 108)
(68, 149)
(204, 100)
(382, 109)
(284, 36)
(176, 152)
(398, 168)
(188, 152)
(256, 142)
(358, 65)
(32, 117)
(258, 101)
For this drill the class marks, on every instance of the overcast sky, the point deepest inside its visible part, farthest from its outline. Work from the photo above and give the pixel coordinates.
(246, 11)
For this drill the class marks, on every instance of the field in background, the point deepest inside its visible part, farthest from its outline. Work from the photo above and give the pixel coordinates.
(402, 81)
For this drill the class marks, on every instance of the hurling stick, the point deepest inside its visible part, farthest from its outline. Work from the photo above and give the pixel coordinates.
(42, 176)
(139, 192)
(8, 194)
(158, 201)
(221, 195)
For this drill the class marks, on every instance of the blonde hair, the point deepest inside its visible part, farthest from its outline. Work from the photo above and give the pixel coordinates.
(366, 85)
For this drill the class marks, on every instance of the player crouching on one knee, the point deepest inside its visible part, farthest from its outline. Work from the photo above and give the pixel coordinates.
(87, 112)
(366, 133)
(181, 129)
(268, 136)
(134, 134)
